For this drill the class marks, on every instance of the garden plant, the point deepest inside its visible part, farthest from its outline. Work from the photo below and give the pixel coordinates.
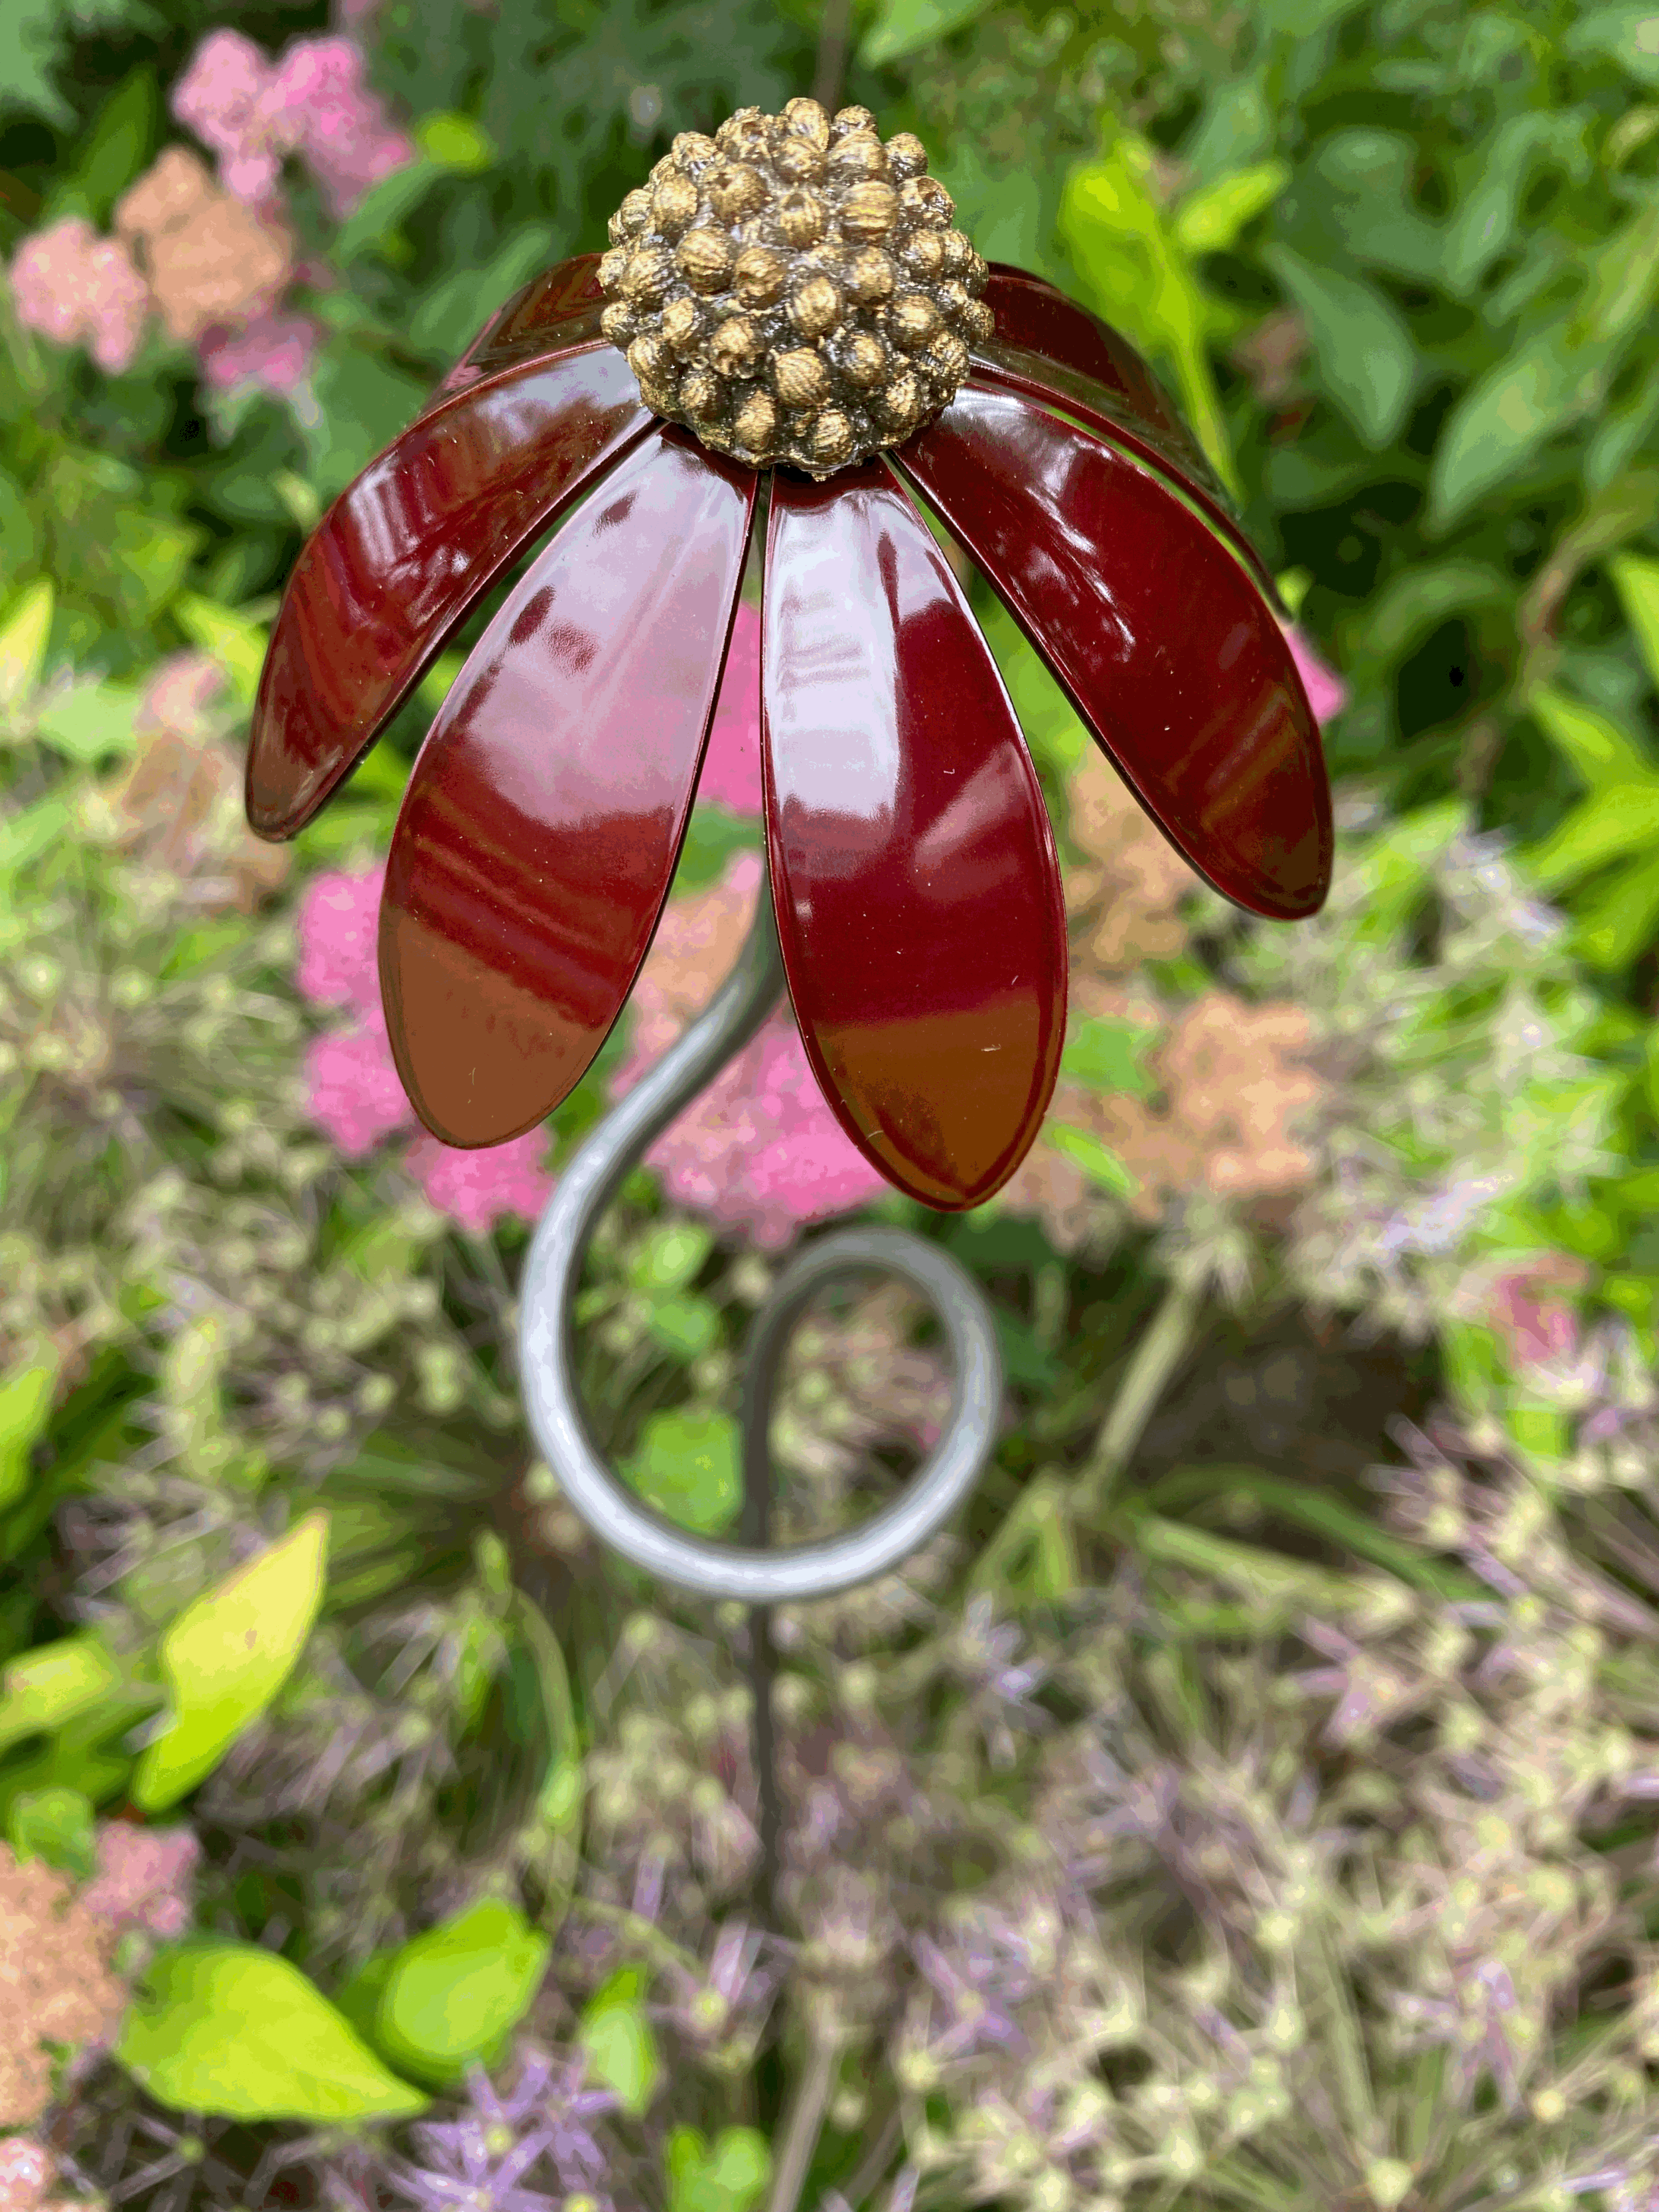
(1251, 1798)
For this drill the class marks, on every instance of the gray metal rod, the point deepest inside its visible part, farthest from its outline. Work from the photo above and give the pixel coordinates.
(753, 1573)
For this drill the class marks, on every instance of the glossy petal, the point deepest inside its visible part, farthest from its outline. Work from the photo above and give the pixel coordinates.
(542, 822)
(1034, 316)
(404, 552)
(559, 308)
(1167, 649)
(913, 870)
(1060, 356)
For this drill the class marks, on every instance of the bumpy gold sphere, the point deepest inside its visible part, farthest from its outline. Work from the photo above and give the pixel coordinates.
(792, 289)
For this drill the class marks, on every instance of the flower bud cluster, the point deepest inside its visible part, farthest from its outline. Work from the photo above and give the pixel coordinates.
(792, 289)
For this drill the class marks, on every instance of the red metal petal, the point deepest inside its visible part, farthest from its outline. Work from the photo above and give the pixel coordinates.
(1035, 316)
(559, 308)
(918, 892)
(1060, 356)
(404, 552)
(1169, 651)
(545, 812)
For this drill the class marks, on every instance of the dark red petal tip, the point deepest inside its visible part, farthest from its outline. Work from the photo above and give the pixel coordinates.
(404, 552)
(913, 870)
(1167, 649)
(1036, 318)
(559, 309)
(541, 821)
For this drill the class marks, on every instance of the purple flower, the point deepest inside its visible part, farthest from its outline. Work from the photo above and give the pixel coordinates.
(478, 2162)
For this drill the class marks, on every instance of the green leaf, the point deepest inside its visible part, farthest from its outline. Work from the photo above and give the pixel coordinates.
(118, 145)
(669, 1255)
(456, 141)
(1419, 600)
(901, 27)
(730, 2178)
(1616, 924)
(451, 315)
(52, 1684)
(684, 1327)
(1109, 1055)
(383, 207)
(1360, 342)
(1209, 220)
(237, 644)
(1636, 578)
(25, 1401)
(227, 1655)
(57, 1826)
(621, 2048)
(686, 1466)
(361, 404)
(1102, 1166)
(1627, 34)
(1498, 424)
(232, 2030)
(34, 40)
(1139, 278)
(23, 640)
(1599, 750)
(454, 1993)
(1617, 819)
(90, 722)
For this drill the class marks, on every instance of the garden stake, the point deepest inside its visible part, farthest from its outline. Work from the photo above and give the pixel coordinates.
(788, 321)
(752, 1573)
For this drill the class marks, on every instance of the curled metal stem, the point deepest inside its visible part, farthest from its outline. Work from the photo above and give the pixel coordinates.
(751, 1572)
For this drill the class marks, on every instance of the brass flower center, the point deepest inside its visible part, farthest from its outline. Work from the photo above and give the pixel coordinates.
(792, 289)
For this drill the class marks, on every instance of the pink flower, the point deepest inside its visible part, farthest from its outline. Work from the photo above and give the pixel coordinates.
(340, 128)
(1535, 1327)
(273, 350)
(1328, 695)
(356, 1097)
(477, 1187)
(81, 289)
(732, 770)
(759, 1152)
(179, 693)
(219, 97)
(143, 1878)
(339, 926)
(313, 102)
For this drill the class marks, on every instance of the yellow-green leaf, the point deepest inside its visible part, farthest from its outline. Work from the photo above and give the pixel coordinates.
(23, 640)
(1602, 752)
(1209, 220)
(453, 1993)
(1102, 1166)
(26, 1398)
(227, 1655)
(1635, 578)
(237, 644)
(1617, 819)
(54, 1683)
(233, 2030)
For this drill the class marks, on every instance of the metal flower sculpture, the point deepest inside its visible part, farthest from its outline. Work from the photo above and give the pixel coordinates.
(785, 307)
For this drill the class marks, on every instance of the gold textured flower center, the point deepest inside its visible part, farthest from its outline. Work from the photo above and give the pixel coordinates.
(792, 289)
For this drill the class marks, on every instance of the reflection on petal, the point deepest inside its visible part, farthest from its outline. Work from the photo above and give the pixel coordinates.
(914, 870)
(407, 550)
(541, 821)
(559, 309)
(1168, 650)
